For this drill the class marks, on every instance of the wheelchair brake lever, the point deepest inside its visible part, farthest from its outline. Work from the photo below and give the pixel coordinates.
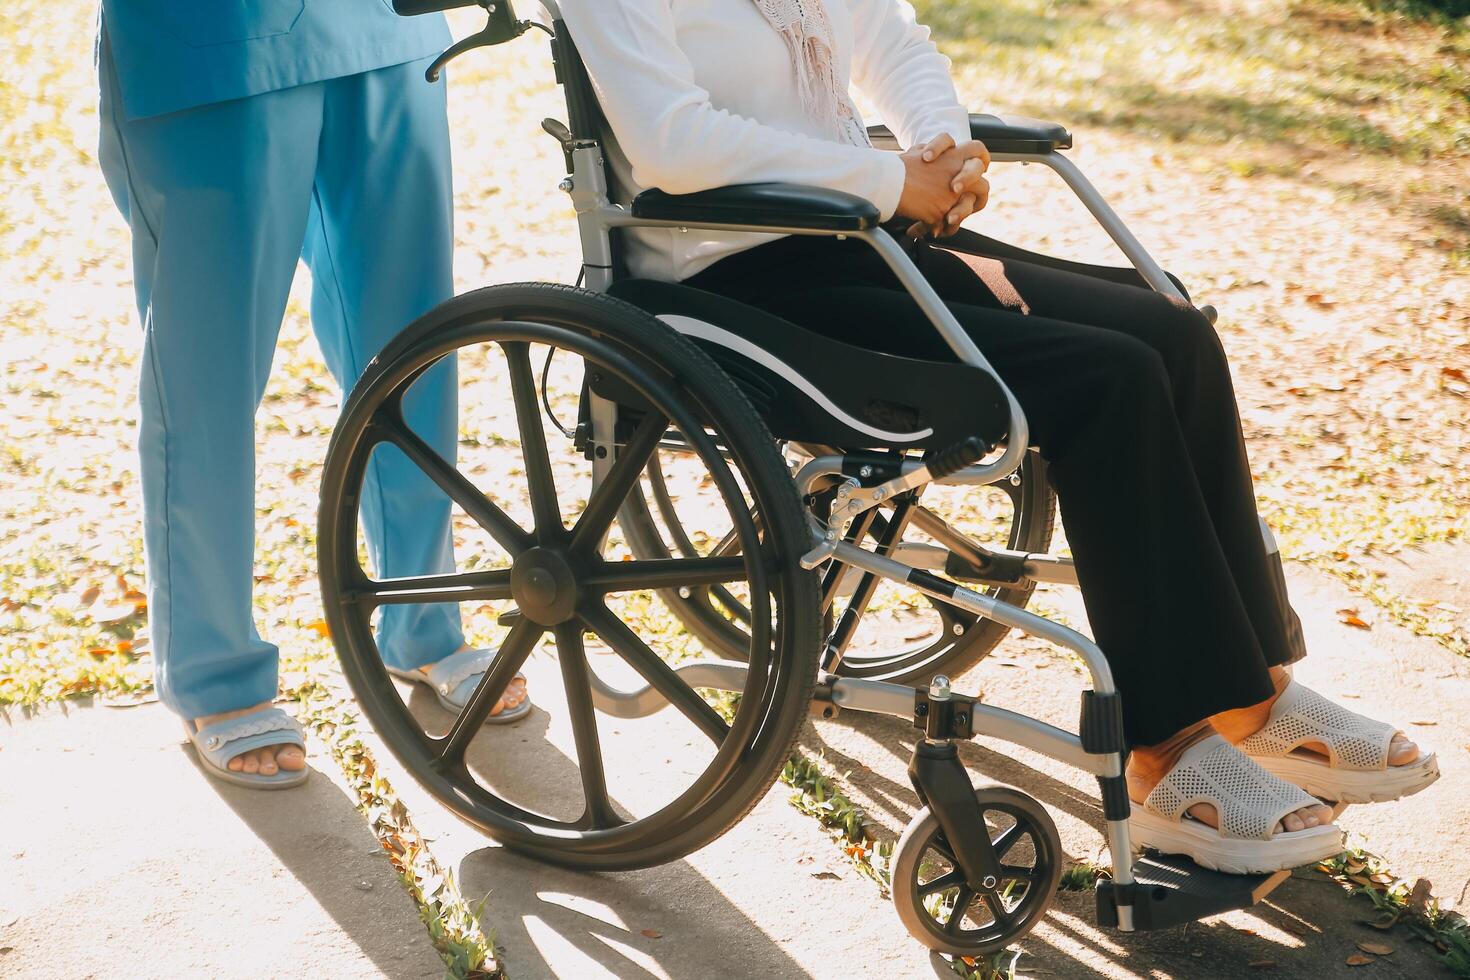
(501, 27)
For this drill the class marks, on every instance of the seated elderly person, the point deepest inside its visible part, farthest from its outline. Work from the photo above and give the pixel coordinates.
(1127, 391)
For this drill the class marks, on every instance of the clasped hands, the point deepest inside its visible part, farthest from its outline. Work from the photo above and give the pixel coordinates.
(944, 183)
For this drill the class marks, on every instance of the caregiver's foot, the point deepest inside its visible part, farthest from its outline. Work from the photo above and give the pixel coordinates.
(1148, 765)
(265, 761)
(515, 691)
(1239, 725)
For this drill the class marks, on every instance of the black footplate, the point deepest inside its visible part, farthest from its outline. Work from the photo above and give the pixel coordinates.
(1170, 890)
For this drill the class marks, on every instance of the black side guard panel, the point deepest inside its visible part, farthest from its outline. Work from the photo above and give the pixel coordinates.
(813, 389)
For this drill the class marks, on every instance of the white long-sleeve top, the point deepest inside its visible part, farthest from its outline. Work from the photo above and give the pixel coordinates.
(703, 93)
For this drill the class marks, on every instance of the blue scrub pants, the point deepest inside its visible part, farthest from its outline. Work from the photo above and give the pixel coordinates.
(352, 175)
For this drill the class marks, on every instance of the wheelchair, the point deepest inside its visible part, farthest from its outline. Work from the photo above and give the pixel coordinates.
(773, 504)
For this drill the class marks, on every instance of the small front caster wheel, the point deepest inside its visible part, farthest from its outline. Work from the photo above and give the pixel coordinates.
(943, 911)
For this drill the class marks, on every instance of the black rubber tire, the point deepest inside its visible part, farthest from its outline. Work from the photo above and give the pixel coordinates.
(918, 840)
(768, 725)
(1035, 503)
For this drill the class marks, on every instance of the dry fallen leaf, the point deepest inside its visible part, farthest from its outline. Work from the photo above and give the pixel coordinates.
(88, 597)
(1420, 895)
(115, 612)
(1358, 959)
(1377, 949)
(652, 933)
(320, 628)
(1351, 618)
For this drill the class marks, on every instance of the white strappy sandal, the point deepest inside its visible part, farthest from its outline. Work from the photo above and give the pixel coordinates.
(1356, 768)
(1249, 803)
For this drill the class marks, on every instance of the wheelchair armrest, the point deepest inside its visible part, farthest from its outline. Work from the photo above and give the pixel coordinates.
(412, 8)
(1000, 134)
(762, 206)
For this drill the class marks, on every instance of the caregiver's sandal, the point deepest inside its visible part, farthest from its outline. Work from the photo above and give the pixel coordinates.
(1225, 812)
(259, 747)
(1337, 754)
(455, 678)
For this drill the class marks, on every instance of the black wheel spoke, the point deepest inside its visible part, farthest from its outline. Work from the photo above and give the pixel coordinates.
(730, 543)
(664, 573)
(503, 669)
(628, 645)
(609, 495)
(539, 479)
(599, 814)
(961, 906)
(506, 532)
(997, 906)
(1012, 872)
(485, 586)
(1008, 839)
(947, 880)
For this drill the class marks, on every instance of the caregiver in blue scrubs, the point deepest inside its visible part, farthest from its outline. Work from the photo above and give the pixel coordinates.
(237, 136)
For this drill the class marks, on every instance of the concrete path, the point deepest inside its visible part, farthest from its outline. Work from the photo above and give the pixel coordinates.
(123, 860)
(126, 860)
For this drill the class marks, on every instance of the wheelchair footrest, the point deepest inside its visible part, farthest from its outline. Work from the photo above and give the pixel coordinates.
(1170, 889)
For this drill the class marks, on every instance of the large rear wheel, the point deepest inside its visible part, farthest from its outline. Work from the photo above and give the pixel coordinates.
(546, 574)
(895, 634)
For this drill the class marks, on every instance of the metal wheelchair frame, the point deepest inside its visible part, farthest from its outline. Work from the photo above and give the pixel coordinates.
(1153, 894)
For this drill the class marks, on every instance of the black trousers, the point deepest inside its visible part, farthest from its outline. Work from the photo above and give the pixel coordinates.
(1130, 401)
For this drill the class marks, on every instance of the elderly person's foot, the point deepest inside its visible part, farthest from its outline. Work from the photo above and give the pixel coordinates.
(265, 761)
(1326, 749)
(1196, 794)
(1148, 765)
(1239, 725)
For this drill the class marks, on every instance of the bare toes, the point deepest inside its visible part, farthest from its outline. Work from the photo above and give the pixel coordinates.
(250, 763)
(236, 764)
(1402, 751)
(266, 761)
(291, 758)
(1292, 822)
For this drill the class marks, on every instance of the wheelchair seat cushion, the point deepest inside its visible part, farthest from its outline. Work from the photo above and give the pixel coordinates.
(810, 388)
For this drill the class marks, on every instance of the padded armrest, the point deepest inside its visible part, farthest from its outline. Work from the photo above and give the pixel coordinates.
(411, 8)
(762, 206)
(1000, 134)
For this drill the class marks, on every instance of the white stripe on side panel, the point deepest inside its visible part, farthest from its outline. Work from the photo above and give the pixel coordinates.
(691, 327)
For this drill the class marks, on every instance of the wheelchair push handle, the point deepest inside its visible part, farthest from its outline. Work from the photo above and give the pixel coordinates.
(501, 26)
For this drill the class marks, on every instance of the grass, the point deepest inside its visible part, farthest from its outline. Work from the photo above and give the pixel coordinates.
(1307, 75)
(1399, 902)
(818, 795)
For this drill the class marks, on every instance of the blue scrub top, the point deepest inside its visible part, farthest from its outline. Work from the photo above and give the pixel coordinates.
(177, 54)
